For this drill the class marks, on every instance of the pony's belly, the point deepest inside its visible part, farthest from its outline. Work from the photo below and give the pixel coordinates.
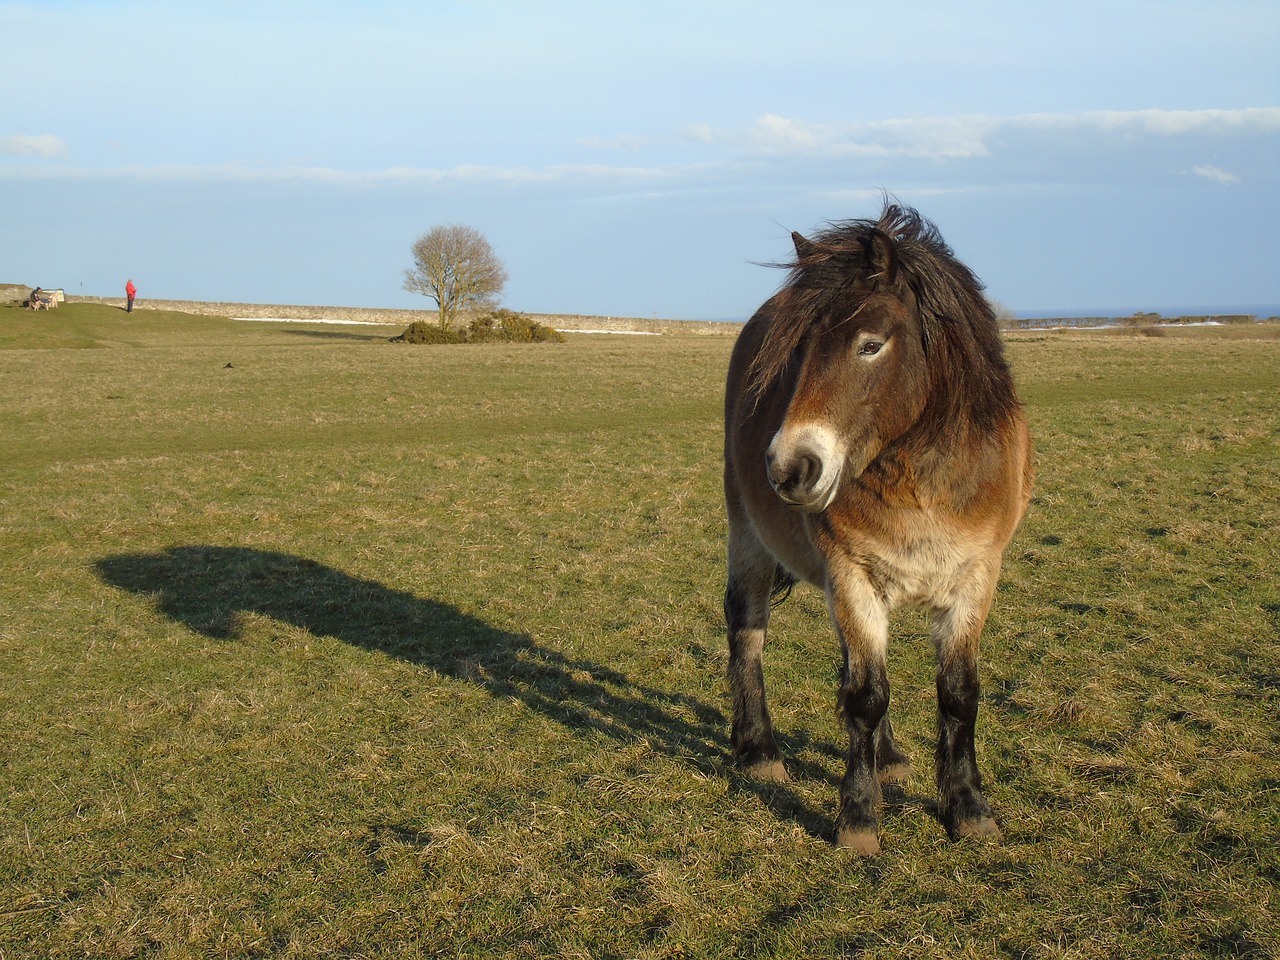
(795, 551)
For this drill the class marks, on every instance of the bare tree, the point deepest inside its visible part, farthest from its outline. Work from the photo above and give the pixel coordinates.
(455, 266)
(1004, 316)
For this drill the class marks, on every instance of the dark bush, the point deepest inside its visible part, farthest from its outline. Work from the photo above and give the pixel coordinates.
(1145, 324)
(501, 326)
(422, 332)
(506, 326)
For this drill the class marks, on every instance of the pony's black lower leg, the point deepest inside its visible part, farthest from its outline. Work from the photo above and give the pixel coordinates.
(892, 765)
(964, 809)
(864, 701)
(746, 610)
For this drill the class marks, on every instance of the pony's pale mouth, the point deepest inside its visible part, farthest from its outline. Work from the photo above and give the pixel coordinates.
(814, 504)
(804, 468)
(809, 498)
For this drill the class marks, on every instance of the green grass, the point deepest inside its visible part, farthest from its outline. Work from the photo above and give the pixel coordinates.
(318, 645)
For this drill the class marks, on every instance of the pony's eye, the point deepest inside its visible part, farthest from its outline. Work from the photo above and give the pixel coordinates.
(870, 348)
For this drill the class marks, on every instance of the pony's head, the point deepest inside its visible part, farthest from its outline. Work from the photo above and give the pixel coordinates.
(881, 333)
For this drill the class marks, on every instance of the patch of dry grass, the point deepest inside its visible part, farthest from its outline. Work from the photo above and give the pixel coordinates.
(354, 650)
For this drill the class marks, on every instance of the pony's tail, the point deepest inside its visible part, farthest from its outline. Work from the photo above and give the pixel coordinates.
(783, 581)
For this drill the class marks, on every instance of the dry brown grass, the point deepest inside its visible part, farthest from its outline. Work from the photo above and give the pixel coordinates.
(354, 650)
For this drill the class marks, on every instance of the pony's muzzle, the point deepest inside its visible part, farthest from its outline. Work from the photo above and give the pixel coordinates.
(803, 468)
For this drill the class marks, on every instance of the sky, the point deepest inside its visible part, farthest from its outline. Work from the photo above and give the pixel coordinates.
(642, 159)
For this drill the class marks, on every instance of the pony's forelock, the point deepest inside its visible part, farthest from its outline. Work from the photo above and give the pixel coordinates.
(958, 327)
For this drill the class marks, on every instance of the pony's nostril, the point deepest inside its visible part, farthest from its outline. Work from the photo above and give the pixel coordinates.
(808, 470)
(794, 478)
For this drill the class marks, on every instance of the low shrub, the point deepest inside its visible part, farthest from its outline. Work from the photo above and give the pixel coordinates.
(422, 332)
(507, 326)
(500, 326)
(1145, 324)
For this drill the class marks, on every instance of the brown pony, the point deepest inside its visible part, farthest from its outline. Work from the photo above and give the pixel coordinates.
(875, 447)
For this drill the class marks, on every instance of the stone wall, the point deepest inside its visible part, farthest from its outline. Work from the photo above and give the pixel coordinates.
(569, 322)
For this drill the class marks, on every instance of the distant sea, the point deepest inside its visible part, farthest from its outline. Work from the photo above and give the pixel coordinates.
(1262, 311)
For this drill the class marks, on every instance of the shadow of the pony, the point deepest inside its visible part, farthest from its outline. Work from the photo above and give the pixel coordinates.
(210, 589)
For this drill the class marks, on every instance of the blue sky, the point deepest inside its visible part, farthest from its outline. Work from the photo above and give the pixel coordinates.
(639, 159)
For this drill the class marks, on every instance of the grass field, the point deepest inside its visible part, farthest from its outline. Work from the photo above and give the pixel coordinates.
(315, 645)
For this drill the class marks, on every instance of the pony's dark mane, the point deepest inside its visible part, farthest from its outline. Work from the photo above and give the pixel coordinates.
(968, 374)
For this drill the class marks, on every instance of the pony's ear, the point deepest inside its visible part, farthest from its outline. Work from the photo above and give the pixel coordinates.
(805, 247)
(882, 255)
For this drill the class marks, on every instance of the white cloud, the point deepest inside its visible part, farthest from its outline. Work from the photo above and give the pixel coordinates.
(965, 136)
(45, 146)
(772, 132)
(1177, 122)
(391, 176)
(771, 135)
(1165, 123)
(1216, 174)
(889, 152)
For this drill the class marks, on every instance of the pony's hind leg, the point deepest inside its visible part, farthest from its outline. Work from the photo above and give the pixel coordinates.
(965, 811)
(892, 765)
(752, 574)
(861, 621)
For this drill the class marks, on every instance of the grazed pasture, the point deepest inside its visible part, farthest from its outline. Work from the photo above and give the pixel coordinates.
(316, 645)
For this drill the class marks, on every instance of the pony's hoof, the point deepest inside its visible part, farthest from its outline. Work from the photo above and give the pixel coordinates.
(862, 842)
(896, 772)
(983, 828)
(767, 771)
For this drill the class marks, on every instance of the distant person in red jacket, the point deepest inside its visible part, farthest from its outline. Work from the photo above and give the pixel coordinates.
(130, 291)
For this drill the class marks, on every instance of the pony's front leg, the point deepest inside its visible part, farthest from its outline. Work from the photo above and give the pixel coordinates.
(746, 611)
(861, 620)
(965, 811)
